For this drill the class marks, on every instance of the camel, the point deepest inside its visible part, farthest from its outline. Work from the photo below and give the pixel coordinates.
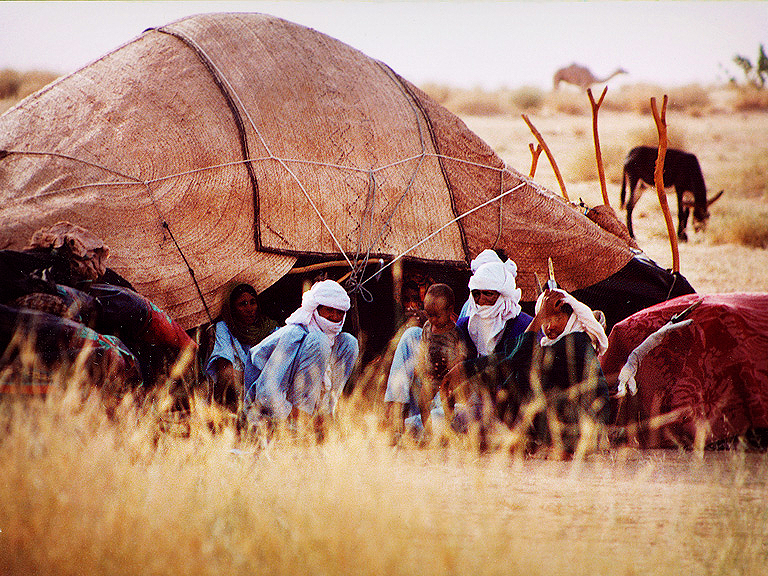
(580, 76)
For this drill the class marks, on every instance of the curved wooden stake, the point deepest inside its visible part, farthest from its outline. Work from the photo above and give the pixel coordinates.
(598, 153)
(658, 177)
(540, 138)
(323, 265)
(535, 153)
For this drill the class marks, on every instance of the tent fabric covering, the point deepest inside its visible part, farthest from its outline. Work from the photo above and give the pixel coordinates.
(227, 145)
(710, 377)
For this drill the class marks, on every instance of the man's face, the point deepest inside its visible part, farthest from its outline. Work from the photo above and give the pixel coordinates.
(331, 314)
(485, 297)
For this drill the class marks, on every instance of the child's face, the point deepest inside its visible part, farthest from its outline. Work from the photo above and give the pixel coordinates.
(554, 324)
(438, 312)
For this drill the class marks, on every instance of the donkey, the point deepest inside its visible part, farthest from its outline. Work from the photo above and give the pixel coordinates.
(681, 170)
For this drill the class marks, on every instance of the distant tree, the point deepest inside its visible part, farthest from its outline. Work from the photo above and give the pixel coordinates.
(755, 74)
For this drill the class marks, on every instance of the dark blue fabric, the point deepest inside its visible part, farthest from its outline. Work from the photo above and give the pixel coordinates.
(513, 328)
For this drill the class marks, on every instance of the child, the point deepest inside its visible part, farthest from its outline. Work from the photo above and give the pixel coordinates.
(441, 347)
(560, 368)
(562, 314)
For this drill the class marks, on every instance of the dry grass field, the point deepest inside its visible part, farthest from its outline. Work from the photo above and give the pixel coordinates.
(84, 493)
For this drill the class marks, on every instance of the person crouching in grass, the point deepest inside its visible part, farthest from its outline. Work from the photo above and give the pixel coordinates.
(300, 370)
(550, 389)
(440, 349)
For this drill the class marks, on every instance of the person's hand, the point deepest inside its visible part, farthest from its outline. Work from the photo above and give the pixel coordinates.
(453, 379)
(552, 302)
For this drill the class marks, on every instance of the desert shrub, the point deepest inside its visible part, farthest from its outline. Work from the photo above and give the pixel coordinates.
(439, 92)
(633, 98)
(32, 81)
(479, 102)
(744, 223)
(750, 100)
(527, 98)
(15, 85)
(754, 74)
(692, 99)
(9, 83)
(569, 102)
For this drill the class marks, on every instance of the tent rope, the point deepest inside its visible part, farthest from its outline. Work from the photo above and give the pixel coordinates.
(385, 225)
(284, 162)
(501, 210)
(191, 271)
(223, 79)
(443, 227)
(133, 181)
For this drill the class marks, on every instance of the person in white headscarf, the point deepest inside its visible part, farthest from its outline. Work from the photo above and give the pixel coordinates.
(301, 368)
(567, 316)
(484, 257)
(494, 322)
(494, 318)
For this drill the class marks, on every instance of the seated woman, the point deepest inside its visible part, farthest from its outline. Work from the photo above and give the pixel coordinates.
(241, 327)
(300, 370)
(561, 368)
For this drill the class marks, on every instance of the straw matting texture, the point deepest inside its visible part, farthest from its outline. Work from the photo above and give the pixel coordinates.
(530, 224)
(330, 120)
(145, 111)
(345, 156)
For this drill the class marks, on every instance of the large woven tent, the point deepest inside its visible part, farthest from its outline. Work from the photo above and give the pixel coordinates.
(222, 147)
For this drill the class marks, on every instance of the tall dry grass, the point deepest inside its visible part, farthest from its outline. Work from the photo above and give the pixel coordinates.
(740, 222)
(84, 492)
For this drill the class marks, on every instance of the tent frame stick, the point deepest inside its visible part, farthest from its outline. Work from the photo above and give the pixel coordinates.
(658, 177)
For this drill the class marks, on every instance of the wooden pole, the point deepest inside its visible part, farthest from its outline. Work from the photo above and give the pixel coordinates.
(323, 265)
(598, 153)
(658, 177)
(535, 153)
(551, 158)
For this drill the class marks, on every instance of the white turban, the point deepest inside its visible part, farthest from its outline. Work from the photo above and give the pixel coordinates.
(325, 293)
(486, 323)
(498, 276)
(582, 320)
(485, 257)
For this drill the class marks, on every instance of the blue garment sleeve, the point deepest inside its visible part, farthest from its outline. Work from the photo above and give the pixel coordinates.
(228, 348)
(403, 369)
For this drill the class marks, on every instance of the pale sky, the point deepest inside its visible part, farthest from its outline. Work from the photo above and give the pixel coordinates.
(488, 44)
